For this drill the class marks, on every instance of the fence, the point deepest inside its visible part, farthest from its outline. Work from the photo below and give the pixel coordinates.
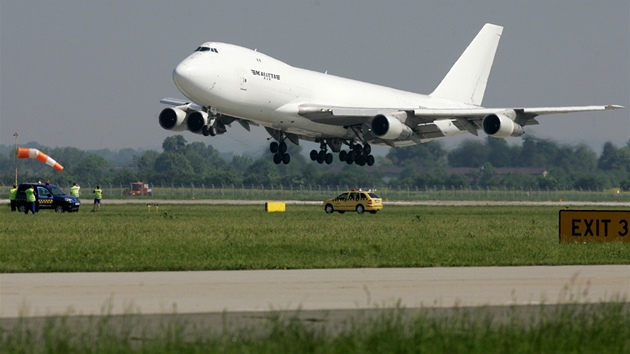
(319, 192)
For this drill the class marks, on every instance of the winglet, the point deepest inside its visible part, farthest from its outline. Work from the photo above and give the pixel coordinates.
(614, 106)
(466, 81)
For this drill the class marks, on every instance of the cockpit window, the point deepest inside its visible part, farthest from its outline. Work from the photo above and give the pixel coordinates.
(206, 49)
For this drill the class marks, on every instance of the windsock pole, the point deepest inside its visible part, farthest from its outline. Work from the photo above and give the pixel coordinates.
(16, 158)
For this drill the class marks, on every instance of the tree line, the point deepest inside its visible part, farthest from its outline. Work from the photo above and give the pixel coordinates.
(536, 163)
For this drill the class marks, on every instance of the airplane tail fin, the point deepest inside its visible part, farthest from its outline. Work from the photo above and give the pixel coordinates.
(466, 81)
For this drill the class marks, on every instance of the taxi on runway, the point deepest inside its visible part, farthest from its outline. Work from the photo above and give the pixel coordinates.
(354, 200)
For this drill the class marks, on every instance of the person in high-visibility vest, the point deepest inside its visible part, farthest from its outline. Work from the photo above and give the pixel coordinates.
(98, 195)
(12, 197)
(30, 200)
(74, 190)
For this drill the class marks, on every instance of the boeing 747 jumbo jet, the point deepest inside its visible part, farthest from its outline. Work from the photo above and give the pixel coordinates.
(226, 83)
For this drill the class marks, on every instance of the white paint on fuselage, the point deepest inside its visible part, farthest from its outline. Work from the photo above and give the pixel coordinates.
(225, 80)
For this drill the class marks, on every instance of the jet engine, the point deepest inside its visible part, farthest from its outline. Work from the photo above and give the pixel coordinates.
(173, 118)
(389, 127)
(499, 125)
(196, 121)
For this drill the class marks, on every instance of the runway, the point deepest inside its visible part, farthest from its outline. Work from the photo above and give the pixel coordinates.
(207, 292)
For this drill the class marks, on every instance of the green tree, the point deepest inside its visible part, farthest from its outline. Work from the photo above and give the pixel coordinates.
(575, 159)
(240, 163)
(145, 165)
(590, 182)
(170, 167)
(500, 154)
(429, 154)
(175, 144)
(262, 172)
(613, 158)
(123, 176)
(470, 153)
(92, 169)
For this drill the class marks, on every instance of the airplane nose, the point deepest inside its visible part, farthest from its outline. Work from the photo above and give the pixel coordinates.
(189, 80)
(182, 75)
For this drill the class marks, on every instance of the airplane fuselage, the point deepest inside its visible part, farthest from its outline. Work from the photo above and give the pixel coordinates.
(250, 85)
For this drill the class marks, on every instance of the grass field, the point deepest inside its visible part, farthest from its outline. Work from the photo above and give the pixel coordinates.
(601, 328)
(206, 237)
(211, 237)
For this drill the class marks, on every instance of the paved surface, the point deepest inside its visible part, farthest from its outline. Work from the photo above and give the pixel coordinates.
(49, 294)
(421, 202)
(88, 201)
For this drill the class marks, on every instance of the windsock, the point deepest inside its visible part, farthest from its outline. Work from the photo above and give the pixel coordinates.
(29, 153)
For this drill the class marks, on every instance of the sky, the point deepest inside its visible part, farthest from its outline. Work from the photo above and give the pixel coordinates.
(90, 74)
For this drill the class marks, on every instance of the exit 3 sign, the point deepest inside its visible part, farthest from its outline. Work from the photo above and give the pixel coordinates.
(578, 226)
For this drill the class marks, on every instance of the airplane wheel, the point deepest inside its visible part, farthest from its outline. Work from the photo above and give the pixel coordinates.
(314, 155)
(367, 149)
(370, 160)
(283, 147)
(286, 158)
(273, 147)
(361, 160)
(342, 155)
(277, 158)
(350, 158)
(329, 158)
(357, 149)
(212, 130)
(205, 130)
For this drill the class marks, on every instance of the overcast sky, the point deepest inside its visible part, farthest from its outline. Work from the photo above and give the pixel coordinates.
(90, 74)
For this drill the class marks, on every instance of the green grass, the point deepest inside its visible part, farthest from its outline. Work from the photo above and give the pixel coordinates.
(210, 237)
(203, 237)
(601, 328)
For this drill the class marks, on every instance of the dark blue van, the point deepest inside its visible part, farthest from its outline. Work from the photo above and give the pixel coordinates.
(47, 196)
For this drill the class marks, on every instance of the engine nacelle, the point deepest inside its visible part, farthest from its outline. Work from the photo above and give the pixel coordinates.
(389, 127)
(196, 120)
(172, 118)
(501, 126)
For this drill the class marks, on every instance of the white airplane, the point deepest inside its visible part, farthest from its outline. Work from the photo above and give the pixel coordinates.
(227, 83)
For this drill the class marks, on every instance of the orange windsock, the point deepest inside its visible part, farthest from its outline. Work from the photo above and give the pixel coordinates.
(30, 153)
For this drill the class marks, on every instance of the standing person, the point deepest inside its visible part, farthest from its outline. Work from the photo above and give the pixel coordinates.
(12, 197)
(30, 200)
(74, 190)
(98, 195)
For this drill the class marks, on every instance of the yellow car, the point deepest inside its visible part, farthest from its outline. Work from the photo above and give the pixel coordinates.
(354, 200)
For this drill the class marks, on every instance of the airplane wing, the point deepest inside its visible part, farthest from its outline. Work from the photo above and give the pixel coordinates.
(422, 120)
(178, 102)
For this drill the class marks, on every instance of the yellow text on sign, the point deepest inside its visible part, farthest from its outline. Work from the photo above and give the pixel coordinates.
(594, 226)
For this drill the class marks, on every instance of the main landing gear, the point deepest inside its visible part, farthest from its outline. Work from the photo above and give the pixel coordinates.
(279, 151)
(357, 154)
(323, 155)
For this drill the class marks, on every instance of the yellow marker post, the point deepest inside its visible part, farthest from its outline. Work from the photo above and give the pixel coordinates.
(157, 207)
(149, 208)
(275, 207)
